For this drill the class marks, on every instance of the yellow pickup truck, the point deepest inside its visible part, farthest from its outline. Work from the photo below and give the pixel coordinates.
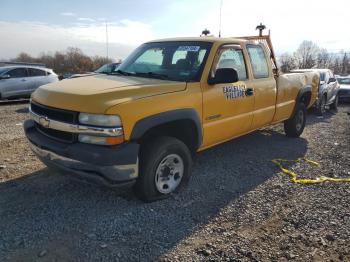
(142, 124)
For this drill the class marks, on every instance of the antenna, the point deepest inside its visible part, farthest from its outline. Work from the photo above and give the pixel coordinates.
(107, 38)
(220, 18)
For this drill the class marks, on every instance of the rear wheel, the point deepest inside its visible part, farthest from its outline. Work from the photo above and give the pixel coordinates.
(321, 107)
(165, 166)
(294, 126)
(335, 103)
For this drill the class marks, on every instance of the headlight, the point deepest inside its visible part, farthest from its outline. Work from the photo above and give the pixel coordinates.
(99, 120)
(101, 140)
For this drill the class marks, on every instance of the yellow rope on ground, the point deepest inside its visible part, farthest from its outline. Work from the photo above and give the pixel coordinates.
(294, 176)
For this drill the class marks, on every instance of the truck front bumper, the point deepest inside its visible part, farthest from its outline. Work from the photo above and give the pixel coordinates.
(112, 166)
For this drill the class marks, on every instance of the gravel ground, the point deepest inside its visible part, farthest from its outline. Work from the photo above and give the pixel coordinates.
(238, 206)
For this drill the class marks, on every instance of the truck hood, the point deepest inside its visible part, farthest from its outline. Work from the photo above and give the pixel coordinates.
(96, 93)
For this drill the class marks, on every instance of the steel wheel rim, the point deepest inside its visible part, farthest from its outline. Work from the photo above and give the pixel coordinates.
(323, 105)
(300, 120)
(336, 101)
(169, 173)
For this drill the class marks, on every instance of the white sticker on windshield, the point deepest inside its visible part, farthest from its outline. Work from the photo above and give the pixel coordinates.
(188, 48)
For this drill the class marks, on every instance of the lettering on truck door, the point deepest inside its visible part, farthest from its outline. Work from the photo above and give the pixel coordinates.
(264, 85)
(227, 110)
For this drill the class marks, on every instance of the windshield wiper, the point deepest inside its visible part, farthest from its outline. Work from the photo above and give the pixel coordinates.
(142, 74)
(153, 75)
(120, 72)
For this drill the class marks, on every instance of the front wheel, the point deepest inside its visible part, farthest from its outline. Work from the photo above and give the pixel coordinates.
(335, 103)
(321, 107)
(165, 166)
(294, 126)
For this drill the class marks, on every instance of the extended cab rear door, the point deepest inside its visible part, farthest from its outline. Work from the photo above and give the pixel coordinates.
(227, 110)
(263, 84)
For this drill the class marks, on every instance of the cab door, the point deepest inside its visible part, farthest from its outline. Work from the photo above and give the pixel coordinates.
(263, 84)
(17, 84)
(227, 107)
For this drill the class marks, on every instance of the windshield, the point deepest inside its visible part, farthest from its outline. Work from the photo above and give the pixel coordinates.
(2, 70)
(344, 81)
(177, 61)
(106, 69)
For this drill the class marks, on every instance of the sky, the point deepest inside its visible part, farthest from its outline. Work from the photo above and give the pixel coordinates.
(38, 26)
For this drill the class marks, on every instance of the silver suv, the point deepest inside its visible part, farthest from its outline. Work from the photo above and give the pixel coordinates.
(327, 90)
(21, 81)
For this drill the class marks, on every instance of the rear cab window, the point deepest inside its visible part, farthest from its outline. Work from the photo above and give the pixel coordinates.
(258, 61)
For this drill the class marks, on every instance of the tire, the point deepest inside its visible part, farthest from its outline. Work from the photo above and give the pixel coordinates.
(334, 105)
(165, 167)
(294, 126)
(321, 107)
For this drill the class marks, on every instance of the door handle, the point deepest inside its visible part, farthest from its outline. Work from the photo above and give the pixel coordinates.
(249, 91)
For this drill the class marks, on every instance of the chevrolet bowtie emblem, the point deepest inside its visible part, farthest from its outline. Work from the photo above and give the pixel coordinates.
(44, 121)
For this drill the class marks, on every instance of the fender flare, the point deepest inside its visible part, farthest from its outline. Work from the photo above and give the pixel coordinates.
(301, 92)
(145, 124)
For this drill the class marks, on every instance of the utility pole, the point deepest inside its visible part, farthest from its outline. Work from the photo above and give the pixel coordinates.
(220, 18)
(107, 38)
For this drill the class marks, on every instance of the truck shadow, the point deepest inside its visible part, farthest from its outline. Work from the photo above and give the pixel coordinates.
(72, 220)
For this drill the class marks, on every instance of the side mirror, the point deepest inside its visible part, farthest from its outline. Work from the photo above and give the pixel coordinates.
(331, 80)
(224, 75)
(5, 77)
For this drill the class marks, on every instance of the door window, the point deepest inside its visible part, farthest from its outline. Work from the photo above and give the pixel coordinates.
(36, 72)
(231, 57)
(18, 72)
(258, 61)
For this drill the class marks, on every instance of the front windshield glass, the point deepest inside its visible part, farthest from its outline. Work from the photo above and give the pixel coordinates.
(105, 69)
(344, 81)
(2, 70)
(177, 61)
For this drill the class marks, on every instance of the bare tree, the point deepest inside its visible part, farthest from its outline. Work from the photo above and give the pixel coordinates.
(99, 61)
(24, 57)
(336, 65)
(71, 61)
(287, 62)
(306, 54)
(324, 58)
(309, 55)
(345, 64)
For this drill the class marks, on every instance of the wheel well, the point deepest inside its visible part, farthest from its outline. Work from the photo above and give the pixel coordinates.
(305, 98)
(184, 130)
